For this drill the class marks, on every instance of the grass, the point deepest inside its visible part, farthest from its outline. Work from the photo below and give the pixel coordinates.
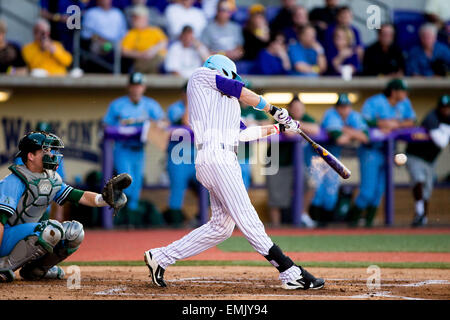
(349, 243)
(315, 264)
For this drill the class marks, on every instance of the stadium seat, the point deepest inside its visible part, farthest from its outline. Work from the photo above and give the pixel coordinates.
(240, 15)
(245, 67)
(407, 24)
(271, 12)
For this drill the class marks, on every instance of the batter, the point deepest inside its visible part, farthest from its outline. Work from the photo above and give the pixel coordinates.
(214, 91)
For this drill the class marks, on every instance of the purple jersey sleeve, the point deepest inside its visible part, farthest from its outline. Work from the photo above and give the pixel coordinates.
(229, 87)
(242, 126)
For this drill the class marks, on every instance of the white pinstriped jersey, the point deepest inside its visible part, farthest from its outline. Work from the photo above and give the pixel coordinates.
(214, 117)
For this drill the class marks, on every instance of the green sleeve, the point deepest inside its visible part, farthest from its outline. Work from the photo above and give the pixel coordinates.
(372, 123)
(334, 134)
(4, 217)
(307, 118)
(75, 195)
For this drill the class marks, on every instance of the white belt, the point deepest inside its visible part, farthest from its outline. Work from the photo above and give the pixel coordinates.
(220, 145)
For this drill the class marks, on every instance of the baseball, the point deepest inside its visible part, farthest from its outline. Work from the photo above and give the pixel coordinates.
(400, 159)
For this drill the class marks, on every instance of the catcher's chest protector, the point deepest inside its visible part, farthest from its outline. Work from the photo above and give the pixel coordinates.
(41, 189)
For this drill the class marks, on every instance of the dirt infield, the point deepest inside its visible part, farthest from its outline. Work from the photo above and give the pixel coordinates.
(231, 283)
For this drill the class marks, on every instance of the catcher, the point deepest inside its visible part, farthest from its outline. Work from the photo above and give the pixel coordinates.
(26, 242)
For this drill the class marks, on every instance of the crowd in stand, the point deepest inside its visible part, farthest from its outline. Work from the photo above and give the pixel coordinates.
(174, 37)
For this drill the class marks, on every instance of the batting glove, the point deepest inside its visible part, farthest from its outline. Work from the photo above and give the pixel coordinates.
(292, 126)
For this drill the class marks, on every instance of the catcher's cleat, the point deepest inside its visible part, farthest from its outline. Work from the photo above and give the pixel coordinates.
(156, 272)
(55, 272)
(7, 276)
(305, 282)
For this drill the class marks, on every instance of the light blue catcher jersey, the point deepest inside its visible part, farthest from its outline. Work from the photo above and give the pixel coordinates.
(12, 189)
(378, 107)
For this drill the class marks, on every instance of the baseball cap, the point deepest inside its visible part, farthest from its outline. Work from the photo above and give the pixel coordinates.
(139, 10)
(136, 78)
(256, 8)
(343, 100)
(397, 84)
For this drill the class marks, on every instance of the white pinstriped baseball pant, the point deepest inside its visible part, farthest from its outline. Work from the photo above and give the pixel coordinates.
(219, 171)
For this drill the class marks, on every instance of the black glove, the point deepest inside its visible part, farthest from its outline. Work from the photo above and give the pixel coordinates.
(112, 191)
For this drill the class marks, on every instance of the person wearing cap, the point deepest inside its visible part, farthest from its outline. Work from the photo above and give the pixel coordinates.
(256, 32)
(422, 157)
(344, 127)
(145, 46)
(135, 110)
(386, 112)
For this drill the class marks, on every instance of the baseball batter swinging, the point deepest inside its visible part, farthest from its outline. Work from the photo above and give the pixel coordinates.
(214, 115)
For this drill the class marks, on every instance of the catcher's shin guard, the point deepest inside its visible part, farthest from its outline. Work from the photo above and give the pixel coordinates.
(73, 236)
(278, 259)
(32, 247)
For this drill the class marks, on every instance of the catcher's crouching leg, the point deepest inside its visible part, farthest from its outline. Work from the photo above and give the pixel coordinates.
(45, 267)
(46, 237)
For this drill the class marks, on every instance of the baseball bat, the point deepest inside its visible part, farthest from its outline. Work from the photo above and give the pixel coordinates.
(328, 157)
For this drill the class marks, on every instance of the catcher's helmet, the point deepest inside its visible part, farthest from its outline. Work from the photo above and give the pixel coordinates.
(50, 143)
(224, 65)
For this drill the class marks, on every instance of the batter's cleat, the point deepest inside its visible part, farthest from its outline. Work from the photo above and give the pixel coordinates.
(55, 272)
(156, 272)
(7, 276)
(305, 282)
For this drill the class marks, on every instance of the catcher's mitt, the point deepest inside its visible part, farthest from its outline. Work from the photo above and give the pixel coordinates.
(112, 191)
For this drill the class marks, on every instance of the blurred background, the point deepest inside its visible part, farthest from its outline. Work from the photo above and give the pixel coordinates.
(67, 63)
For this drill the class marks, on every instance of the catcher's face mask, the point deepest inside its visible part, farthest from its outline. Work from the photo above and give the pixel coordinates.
(52, 147)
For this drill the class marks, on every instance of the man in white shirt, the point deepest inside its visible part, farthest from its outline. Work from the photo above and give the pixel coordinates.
(186, 54)
(183, 13)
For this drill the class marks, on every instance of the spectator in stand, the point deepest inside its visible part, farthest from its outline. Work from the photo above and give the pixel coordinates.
(345, 54)
(431, 58)
(307, 56)
(299, 20)
(323, 17)
(280, 185)
(11, 60)
(344, 126)
(283, 19)
(274, 59)
(143, 45)
(386, 112)
(55, 11)
(256, 32)
(156, 17)
(44, 56)
(422, 157)
(182, 13)
(185, 55)
(209, 7)
(344, 18)
(222, 35)
(103, 26)
(438, 12)
(384, 57)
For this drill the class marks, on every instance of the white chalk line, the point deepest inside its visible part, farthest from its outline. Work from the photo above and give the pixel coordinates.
(120, 291)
